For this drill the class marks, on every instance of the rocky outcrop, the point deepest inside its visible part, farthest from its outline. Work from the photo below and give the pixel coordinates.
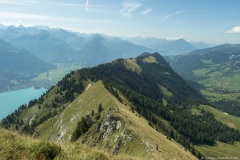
(108, 126)
(33, 117)
(113, 133)
(126, 136)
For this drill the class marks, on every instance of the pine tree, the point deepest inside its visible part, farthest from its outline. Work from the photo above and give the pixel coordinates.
(100, 108)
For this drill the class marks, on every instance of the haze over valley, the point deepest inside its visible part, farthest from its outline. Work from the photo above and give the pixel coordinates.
(67, 50)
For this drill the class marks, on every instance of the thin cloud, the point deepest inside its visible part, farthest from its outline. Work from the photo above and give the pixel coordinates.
(22, 15)
(146, 11)
(20, 3)
(31, 1)
(10, 2)
(173, 14)
(129, 7)
(233, 30)
(87, 5)
(72, 5)
(94, 8)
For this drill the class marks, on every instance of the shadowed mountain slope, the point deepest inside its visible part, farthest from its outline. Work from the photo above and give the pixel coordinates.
(18, 64)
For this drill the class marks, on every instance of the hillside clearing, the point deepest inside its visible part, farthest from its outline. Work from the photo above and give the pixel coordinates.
(231, 121)
(221, 150)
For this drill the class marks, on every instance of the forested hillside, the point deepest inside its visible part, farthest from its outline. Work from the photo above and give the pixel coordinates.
(146, 84)
(215, 71)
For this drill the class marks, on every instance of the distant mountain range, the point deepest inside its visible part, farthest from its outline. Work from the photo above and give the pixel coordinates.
(40, 43)
(98, 49)
(164, 46)
(59, 46)
(19, 64)
(62, 46)
(201, 45)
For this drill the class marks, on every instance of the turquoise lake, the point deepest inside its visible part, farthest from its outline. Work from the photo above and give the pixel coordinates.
(10, 101)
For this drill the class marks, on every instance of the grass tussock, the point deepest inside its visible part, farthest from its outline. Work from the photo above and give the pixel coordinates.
(14, 146)
(19, 147)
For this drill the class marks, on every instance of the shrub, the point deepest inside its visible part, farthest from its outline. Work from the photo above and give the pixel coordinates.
(45, 151)
(95, 156)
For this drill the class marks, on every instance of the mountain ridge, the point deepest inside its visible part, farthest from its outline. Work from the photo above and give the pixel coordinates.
(143, 87)
(164, 46)
(62, 46)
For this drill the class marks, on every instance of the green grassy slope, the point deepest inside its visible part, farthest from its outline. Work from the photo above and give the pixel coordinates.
(220, 150)
(144, 138)
(14, 146)
(141, 140)
(57, 74)
(81, 106)
(20, 147)
(223, 117)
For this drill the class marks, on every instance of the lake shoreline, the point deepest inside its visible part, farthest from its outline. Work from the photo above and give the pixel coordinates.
(10, 101)
(36, 84)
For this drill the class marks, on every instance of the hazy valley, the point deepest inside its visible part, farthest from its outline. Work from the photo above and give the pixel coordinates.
(67, 51)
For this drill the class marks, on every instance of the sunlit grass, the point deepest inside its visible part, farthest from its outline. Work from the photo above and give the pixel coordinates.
(58, 73)
(220, 150)
(223, 117)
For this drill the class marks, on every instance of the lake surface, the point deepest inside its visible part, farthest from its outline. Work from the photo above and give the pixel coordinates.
(10, 101)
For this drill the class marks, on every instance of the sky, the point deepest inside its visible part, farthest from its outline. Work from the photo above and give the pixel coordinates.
(212, 21)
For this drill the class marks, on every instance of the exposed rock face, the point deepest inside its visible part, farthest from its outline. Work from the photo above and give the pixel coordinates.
(112, 126)
(60, 133)
(109, 126)
(126, 137)
(33, 118)
(119, 124)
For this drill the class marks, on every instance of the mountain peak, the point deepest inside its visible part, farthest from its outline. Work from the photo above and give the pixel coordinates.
(134, 64)
(153, 58)
(96, 36)
(164, 46)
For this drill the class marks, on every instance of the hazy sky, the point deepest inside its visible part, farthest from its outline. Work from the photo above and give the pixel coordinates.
(216, 21)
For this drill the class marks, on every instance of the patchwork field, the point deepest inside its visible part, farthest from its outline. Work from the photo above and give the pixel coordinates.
(220, 81)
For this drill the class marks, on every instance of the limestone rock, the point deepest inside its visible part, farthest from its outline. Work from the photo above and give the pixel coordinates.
(119, 124)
